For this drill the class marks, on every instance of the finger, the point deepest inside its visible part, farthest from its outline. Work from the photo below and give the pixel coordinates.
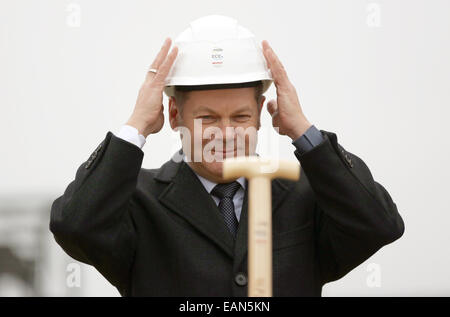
(265, 46)
(159, 123)
(164, 69)
(272, 107)
(159, 58)
(276, 67)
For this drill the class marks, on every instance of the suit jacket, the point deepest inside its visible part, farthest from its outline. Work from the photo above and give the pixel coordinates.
(157, 232)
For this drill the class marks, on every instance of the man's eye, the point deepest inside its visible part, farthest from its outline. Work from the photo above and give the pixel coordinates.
(207, 118)
(242, 117)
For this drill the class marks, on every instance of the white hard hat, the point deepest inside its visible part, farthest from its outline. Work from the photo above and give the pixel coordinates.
(215, 49)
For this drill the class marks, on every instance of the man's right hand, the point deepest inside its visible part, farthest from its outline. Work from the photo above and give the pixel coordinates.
(148, 114)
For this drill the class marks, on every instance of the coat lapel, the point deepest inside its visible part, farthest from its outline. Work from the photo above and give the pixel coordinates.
(187, 197)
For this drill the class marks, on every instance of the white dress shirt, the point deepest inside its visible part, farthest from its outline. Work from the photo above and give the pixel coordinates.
(131, 134)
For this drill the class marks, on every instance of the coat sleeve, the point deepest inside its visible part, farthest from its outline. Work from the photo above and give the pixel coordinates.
(354, 216)
(91, 220)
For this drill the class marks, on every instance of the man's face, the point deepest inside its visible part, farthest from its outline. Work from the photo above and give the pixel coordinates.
(215, 125)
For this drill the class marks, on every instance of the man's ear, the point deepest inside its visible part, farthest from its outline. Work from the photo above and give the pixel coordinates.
(263, 98)
(173, 113)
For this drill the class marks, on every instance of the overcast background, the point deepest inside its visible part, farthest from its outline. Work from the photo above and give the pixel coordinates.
(376, 73)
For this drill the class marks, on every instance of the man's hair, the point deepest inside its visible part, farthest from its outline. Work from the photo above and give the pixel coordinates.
(181, 92)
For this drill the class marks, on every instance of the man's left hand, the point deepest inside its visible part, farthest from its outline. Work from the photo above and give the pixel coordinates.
(286, 112)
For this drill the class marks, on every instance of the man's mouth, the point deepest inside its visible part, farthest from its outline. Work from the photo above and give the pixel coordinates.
(224, 152)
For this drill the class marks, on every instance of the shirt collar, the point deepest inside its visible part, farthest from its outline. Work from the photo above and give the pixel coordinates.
(209, 185)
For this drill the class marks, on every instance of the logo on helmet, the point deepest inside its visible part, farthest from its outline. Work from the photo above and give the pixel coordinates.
(217, 56)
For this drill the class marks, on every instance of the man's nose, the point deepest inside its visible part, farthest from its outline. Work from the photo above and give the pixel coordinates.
(228, 130)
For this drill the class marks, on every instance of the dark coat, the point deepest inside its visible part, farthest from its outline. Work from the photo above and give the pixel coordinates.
(157, 232)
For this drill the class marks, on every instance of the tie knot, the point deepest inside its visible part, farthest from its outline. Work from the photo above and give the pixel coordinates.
(226, 189)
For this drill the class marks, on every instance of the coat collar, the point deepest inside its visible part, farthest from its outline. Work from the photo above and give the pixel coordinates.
(209, 185)
(187, 197)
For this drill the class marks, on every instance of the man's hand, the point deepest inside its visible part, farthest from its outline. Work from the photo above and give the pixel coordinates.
(148, 115)
(286, 111)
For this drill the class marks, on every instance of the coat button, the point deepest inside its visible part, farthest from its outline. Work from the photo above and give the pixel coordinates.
(349, 160)
(240, 279)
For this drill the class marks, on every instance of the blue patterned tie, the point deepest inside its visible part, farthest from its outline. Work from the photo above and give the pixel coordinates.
(225, 193)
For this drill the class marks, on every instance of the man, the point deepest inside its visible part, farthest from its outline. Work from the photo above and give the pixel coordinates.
(180, 230)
